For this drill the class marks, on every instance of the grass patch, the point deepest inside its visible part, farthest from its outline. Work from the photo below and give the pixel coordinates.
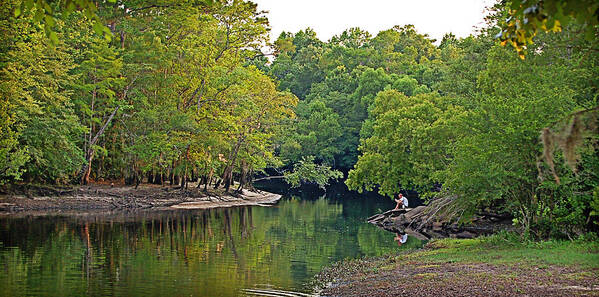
(579, 275)
(505, 249)
(388, 267)
(425, 275)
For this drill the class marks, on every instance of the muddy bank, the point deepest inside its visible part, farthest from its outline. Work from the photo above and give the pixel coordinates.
(107, 197)
(416, 278)
(413, 274)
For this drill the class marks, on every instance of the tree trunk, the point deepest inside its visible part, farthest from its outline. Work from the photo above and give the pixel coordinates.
(209, 180)
(137, 179)
(201, 181)
(85, 178)
(269, 177)
(157, 178)
(90, 152)
(122, 39)
(150, 176)
(171, 175)
(228, 172)
(228, 178)
(184, 180)
(243, 175)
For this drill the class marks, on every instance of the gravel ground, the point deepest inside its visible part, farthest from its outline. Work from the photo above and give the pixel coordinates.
(408, 276)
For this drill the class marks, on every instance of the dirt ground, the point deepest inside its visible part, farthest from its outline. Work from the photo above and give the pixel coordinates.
(417, 278)
(109, 197)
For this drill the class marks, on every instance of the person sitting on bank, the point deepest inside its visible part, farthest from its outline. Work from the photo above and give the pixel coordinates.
(401, 239)
(401, 201)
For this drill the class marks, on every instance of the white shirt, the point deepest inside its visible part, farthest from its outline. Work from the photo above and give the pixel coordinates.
(404, 200)
(404, 237)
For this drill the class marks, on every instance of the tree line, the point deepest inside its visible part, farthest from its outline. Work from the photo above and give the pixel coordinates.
(462, 118)
(182, 91)
(171, 97)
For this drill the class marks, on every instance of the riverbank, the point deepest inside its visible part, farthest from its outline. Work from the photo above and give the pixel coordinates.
(488, 266)
(435, 221)
(111, 197)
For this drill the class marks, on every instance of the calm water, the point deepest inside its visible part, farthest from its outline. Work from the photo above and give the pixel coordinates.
(219, 252)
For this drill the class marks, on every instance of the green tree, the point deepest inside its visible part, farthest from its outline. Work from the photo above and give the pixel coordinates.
(307, 171)
(36, 76)
(314, 133)
(12, 155)
(409, 145)
(99, 67)
(525, 19)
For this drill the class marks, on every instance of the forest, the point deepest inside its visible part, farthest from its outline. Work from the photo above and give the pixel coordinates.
(179, 91)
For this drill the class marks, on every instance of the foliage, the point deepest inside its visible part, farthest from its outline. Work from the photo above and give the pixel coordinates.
(49, 13)
(595, 205)
(479, 140)
(35, 78)
(174, 98)
(306, 171)
(45, 12)
(526, 19)
(12, 155)
(182, 93)
(314, 135)
(345, 74)
(408, 145)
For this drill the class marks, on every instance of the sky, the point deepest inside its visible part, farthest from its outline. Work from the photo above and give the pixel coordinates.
(331, 17)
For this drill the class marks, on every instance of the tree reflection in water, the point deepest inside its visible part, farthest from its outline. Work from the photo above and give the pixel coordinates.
(199, 253)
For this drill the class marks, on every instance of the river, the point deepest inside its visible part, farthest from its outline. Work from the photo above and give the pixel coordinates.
(218, 252)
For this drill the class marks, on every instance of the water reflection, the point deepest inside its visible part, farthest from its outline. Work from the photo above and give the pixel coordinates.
(193, 253)
(273, 292)
(401, 238)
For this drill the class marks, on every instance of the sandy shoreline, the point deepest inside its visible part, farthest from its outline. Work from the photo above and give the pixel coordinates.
(146, 196)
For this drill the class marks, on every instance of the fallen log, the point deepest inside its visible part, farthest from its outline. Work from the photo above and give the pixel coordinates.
(437, 220)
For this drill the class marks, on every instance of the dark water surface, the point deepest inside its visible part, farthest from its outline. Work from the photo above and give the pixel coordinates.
(219, 252)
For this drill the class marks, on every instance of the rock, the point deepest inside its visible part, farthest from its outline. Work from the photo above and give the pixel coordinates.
(454, 227)
(375, 218)
(418, 220)
(416, 234)
(465, 234)
(7, 206)
(411, 214)
(400, 220)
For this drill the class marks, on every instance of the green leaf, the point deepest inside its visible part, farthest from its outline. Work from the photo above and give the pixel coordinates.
(53, 37)
(28, 4)
(39, 14)
(98, 28)
(589, 35)
(516, 4)
(70, 7)
(50, 20)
